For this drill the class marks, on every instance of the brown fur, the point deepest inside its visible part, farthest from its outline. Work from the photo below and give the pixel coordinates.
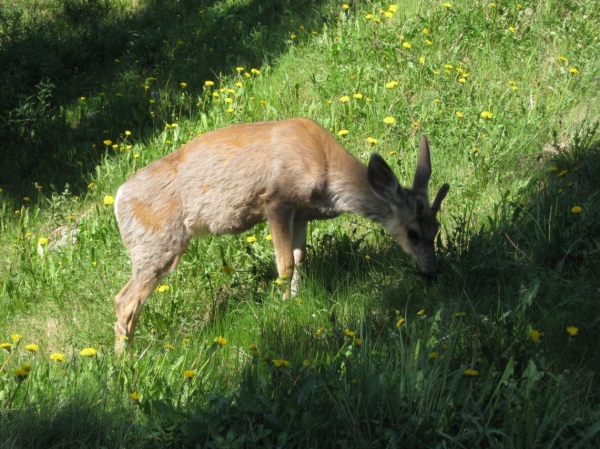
(287, 173)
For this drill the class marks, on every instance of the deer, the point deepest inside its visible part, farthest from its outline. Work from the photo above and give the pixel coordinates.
(287, 173)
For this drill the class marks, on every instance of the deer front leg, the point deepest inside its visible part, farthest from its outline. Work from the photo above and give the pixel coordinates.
(280, 224)
(299, 246)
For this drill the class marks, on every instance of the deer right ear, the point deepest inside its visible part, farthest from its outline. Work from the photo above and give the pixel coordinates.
(383, 181)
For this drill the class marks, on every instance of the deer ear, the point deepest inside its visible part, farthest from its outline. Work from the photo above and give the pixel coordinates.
(383, 181)
(439, 197)
(423, 172)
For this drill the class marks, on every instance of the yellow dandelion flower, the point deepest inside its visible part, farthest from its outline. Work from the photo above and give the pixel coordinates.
(320, 331)
(357, 341)
(345, 99)
(372, 141)
(447, 5)
(32, 347)
(535, 335)
(358, 95)
(391, 84)
(221, 341)
(162, 288)
(179, 42)
(58, 357)
(400, 322)
(251, 239)
(407, 45)
(343, 132)
(184, 85)
(432, 355)
(189, 374)
(428, 42)
(349, 333)
(20, 373)
(135, 396)
(369, 16)
(255, 71)
(573, 331)
(279, 363)
(459, 114)
(421, 312)
(252, 347)
(170, 347)
(16, 337)
(388, 14)
(209, 83)
(462, 80)
(43, 241)
(470, 372)
(562, 59)
(425, 31)
(108, 200)
(389, 120)
(107, 142)
(88, 352)
(345, 6)
(486, 115)
(512, 29)
(576, 209)
(573, 70)
(6, 346)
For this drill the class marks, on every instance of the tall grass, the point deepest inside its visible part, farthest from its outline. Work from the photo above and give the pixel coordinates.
(499, 351)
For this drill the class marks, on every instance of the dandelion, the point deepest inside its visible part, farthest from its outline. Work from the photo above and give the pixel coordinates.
(470, 372)
(421, 312)
(462, 80)
(189, 374)
(447, 5)
(407, 45)
(576, 209)
(512, 29)
(162, 288)
(15, 338)
(170, 347)
(400, 322)
(357, 341)
(358, 95)
(320, 331)
(135, 396)
(369, 16)
(32, 347)
(393, 8)
(553, 169)
(425, 31)
(279, 363)
(255, 71)
(422, 60)
(221, 341)
(239, 69)
(239, 84)
(459, 314)
(21, 373)
(535, 335)
(345, 99)
(58, 357)
(372, 141)
(573, 70)
(349, 333)
(475, 150)
(563, 173)
(107, 142)
(252, 347)
(343, 132)
(209, 83)
(136, 156)
(345, 6)
(109, 200)
(389, 120)
(572, 330)
(306, 364)
(459, 114)
(251, 239)
(415, 124)
(43, 241)
(391, 84)
(179, 42)
(562, 59)
(487, 115)
(428, 42)
(229, 100)
(432, 355)
(184, 85)
(88, 352)
(6, 346)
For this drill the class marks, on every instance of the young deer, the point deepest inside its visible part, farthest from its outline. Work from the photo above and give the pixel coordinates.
(286, 172)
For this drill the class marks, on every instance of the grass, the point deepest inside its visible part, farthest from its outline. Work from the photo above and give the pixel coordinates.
(369, 354)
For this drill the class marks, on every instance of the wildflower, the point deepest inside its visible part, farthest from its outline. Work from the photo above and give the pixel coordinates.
(20, 373)
(553, 169)
(162, 288)
(269, 237)
(345, 6)
(475, 150)
(535, 335)
(281, 363)
(393, 8)
(459, 114)
(512, 29)
(400, 322)
(135, 396)
(209, 83)
(421, 312)
(239, 84)
(358, 95)
(43, 241)
(573, 331)
(357, 341)
(432, 355)
(343, 132)
(515, 88)
(563, 173)
(391, 84)
(32, 347)
(239, 69)
(447, 5)
(462, 80)
(15, 338)
(88, 352)
(221, 341)
(184, 85)
(415, 124)
(6, 346)
(349, 333)
(189, 374)
(428, 42)
(562, 58)
(425, 31)
(372, 141)
(576, 209)
(306, 364)
(407, 45)
(573, 70)
(136, 156)
(226, 269)
(369, 16)
(345, 99)
(91, 185)
(58, 357)
(459, 314)
(108, 200)
(170, 347)
(251, 239)
(107, 142)
(470, 372)
(389, 120)
(487, 115)
(82, 98)
(320, 331)
(252, 347)
(255, 71)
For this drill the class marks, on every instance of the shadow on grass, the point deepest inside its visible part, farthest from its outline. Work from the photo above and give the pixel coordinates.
(97, 51)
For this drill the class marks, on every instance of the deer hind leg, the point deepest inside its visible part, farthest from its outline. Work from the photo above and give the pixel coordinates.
(299, 246)
(147, 273)
(281, 227)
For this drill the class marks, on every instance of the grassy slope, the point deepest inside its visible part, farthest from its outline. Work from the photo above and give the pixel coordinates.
(547, 284)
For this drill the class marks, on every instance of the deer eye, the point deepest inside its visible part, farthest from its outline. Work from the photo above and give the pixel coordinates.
(413, 235)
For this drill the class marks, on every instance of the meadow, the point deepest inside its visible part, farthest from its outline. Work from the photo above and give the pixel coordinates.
(499, 350)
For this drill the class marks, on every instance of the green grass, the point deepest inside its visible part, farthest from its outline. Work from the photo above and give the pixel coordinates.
(516, 259)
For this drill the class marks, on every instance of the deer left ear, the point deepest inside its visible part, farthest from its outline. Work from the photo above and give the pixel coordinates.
(423, 172)
(383, 181)
(439, 197)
